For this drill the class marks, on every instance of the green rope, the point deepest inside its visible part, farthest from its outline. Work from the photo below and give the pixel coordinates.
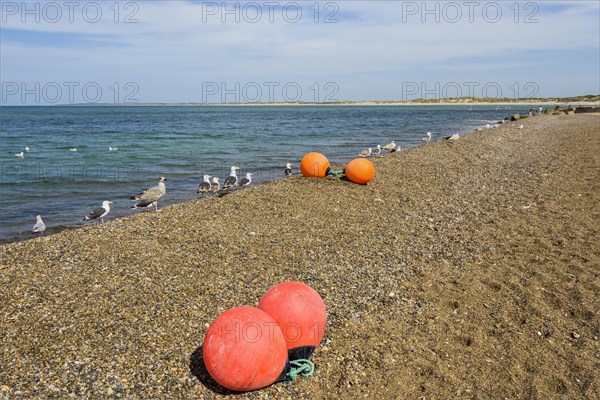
(336, 174)
(302, 367)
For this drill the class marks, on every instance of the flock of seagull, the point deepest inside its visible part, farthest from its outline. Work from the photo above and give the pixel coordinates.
(149, 198)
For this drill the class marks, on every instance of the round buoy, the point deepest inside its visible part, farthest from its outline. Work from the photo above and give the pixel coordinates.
(314, 165)
(300, 313)
(244, 349)
(360, 171)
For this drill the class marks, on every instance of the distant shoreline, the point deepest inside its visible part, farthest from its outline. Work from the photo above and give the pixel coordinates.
(449, 102)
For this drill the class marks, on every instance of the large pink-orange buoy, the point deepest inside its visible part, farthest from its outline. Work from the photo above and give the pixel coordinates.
(360, 170)
(314, 165)
(244, 349)
(300, 313)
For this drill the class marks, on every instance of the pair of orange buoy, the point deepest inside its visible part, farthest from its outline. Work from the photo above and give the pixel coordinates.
(316, 165)
(249, 348)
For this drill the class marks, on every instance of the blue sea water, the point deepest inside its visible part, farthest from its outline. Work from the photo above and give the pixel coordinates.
(182, 144)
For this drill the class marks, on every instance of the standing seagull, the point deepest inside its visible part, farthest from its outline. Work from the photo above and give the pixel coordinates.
(100, 212)
(427, 137)
(247, 180)
(39, 226)
(365, 153)
(232, 179)
(452, 138)
(377, 150)
(390, 146)
(150, 197)
(205, 185)
(215, 186)
(288, 169)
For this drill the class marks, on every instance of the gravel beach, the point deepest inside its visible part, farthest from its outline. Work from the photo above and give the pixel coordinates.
(467, 270)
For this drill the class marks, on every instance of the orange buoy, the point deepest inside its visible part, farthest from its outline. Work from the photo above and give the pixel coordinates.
(314, 165)
(300, 313)
(244, 349)
(360, 171)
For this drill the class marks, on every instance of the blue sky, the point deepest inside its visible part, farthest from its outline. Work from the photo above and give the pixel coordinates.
(196, 51)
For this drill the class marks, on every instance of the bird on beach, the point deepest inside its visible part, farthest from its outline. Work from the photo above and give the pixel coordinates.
(247, 180)
(288, 169)
(520, 126)
(150, 197)
(73, 149)
(100, 212)
(204, 187)
(390, 146)
(366, 152)
(232, 179)
(377, 150)
(452, 138)
(113, 148)
(39, 226)
(426, 138)
(20, 155)
(215, 186)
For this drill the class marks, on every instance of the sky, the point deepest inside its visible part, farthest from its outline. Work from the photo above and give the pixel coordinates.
(184, 51)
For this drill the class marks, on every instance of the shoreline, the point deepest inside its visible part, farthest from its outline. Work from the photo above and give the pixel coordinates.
(464, 268)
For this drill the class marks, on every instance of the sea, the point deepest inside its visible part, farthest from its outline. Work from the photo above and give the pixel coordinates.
(182, 143)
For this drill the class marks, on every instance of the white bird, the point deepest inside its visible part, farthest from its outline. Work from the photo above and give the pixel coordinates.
(113, 148)
(365, 153)
(73, 149)
(288, 169)
(26, 148)
(247, 180)
(426, 138)
(39, 226)
(100, 212)
(390, 146)
(20, 155)
(377, 150)
(232, 179)
(215, 186)
(452, 138)
(204, 187)
(520, 126)
(150, 197)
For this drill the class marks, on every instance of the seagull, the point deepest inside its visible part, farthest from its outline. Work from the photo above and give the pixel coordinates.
(204, 187)
(39, 226)
(26, 148)
(100, 212)
(215, 186)
(150, 197)
(390, 146)
(247, 180)
(377, 150)
(365, 153)
(452, 138)
(20, 155)
(231, 180)
(288, 169)
(427, 137)
(520, 126)
(73, 149)
(113, 148)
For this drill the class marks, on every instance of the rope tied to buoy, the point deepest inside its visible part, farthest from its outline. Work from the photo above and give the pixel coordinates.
(302, 367)
(335, 174)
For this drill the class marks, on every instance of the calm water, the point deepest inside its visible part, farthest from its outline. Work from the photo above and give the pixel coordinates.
(182, 144)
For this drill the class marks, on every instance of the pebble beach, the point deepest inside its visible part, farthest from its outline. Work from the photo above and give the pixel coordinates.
(462, 270)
